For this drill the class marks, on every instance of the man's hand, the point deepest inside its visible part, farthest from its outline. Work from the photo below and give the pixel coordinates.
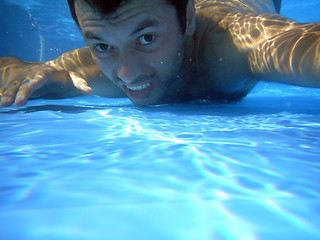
(21, 80)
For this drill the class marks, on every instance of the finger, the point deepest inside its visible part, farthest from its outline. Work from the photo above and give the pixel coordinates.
(80, 83)
(27, 88)
(9, 95)
(2, 90)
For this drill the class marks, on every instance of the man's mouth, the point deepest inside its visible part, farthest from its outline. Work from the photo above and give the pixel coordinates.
(138, 91)
(139, 88)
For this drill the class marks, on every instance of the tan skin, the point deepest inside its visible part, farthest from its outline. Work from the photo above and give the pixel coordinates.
(141, 49)
(141, 53)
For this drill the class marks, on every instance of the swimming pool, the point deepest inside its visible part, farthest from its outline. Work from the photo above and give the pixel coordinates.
(95, 168)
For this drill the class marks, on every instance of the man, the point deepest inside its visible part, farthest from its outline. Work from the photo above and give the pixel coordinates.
(164, 51)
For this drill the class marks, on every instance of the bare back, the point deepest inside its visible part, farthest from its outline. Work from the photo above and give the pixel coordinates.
(223, 72)
(240, 42)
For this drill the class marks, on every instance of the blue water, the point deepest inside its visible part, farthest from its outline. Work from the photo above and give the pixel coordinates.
(94, 168)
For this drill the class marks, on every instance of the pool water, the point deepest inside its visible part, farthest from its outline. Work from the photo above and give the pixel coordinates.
(94, 168)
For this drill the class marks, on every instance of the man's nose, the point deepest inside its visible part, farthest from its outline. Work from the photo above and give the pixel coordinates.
(129, 67)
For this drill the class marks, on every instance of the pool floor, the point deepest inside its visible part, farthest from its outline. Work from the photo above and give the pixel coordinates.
(94, 168)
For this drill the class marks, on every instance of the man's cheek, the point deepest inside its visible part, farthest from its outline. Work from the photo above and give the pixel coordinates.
(105, 69)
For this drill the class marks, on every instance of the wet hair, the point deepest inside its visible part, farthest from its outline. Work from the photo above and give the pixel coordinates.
(107, 7)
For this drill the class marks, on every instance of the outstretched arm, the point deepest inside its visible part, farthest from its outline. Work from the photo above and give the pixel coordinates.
(72, 74)
(279, 49)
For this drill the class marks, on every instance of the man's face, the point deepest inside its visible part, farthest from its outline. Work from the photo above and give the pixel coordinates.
(140, 48)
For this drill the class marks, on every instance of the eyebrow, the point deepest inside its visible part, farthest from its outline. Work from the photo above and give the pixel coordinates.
(90, 35)
(147, 23)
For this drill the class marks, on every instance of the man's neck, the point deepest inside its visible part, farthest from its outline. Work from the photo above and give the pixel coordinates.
(189, 68)
(181, 87)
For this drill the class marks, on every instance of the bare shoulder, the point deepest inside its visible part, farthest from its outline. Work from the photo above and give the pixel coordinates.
(246, 39)
(217, 15)
(223, 65)
(223, 8)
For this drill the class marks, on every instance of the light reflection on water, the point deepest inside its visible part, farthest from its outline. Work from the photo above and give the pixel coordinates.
(75, 170)
(238, 167)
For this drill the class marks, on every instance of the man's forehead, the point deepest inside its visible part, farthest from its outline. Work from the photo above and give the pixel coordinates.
(126, 10)
(84, 6)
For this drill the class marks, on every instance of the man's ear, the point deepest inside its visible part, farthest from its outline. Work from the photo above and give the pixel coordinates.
(191, 19)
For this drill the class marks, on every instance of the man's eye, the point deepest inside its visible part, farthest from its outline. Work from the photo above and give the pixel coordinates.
(146, 39)
(102, 47)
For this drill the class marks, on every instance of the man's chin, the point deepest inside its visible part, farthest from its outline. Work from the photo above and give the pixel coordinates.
(145, 102)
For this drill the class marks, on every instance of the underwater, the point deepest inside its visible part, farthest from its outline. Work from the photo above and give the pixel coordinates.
(91, 168)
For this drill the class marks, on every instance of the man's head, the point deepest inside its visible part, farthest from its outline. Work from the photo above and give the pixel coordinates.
(138, 44)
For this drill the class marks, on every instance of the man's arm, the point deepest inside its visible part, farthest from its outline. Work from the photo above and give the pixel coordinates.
(80, 63)
(278, 49)
(72, 74)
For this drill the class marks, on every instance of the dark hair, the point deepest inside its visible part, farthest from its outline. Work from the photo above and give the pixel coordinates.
(106, 7)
